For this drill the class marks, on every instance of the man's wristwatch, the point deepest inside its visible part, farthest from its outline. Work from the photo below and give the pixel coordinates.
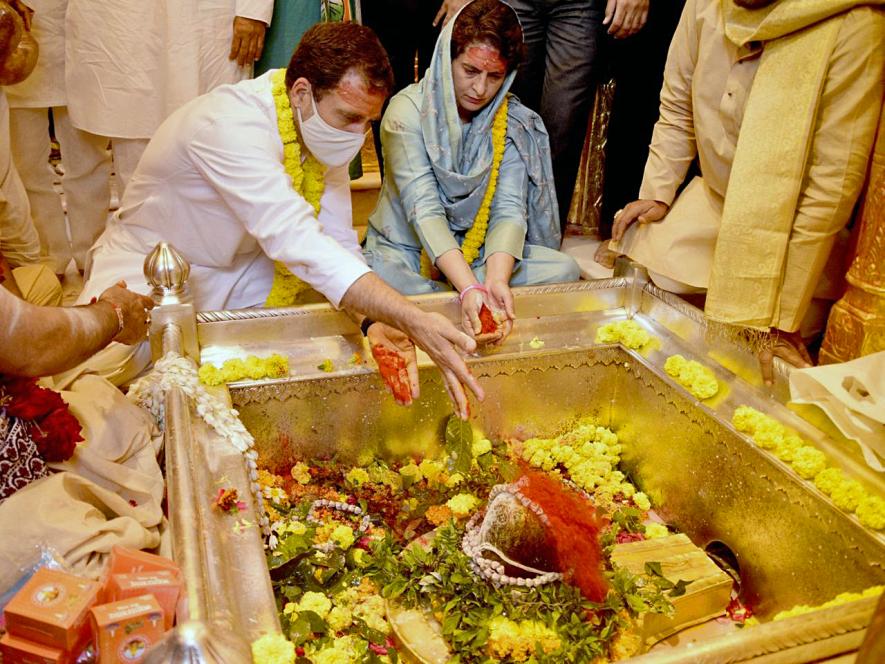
(365, 325)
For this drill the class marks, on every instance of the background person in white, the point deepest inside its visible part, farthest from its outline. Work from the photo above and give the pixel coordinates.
(130, 63)
(213, 184)
(87, 164)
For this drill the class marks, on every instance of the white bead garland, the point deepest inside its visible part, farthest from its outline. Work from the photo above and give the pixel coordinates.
(174, 370)
(493, 570)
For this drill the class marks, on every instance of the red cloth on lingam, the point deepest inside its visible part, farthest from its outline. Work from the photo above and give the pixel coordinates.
(573, 532)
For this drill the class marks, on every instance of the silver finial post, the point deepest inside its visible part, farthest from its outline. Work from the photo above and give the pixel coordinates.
(167, 271)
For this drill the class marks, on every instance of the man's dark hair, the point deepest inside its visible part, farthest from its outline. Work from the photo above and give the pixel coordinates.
(328, 51)
(490, 22)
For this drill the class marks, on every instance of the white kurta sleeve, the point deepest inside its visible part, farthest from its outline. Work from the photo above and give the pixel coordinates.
(336, 211)
(240, 161)
(260, 10)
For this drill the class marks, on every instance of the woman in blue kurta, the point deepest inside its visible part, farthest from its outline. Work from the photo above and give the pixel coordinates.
(438, 160)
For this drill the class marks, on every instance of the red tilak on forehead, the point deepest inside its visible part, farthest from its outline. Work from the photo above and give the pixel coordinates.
(486, 58)
(354, 91)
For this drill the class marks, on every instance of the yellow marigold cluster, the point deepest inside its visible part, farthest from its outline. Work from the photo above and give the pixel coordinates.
(411, 471)
(326, 365)
(843, 598)
(308, 179)
(481, 446)
(432, 470)
(273, 649)
(808, 462)
(251, 368)
(454, 480)
(536, 343)
(339, 618)
(656, 530)
(693, 376)
(871, 512)
(357, 476)
(462, 504)
(340, 651)
(272, 491)
(628, 333)
(518, 640)
(316, 602)
(811, 464)
(590, 454)
(343, 536)
(300, 472)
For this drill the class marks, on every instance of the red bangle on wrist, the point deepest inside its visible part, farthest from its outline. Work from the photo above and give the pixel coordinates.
(471, 287)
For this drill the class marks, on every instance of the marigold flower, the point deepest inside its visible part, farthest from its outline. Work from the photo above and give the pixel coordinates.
(273, 649)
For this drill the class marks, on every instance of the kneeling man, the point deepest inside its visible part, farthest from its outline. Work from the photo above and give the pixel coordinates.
(256, 173)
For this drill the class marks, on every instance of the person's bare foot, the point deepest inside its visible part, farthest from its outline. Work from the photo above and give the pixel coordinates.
(605, 256)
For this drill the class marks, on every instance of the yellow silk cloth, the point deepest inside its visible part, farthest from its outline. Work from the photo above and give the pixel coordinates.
(746, 281)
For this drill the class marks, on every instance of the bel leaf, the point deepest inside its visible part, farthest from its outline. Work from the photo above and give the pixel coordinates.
(679, 588)
(653, 569)
(459, 443)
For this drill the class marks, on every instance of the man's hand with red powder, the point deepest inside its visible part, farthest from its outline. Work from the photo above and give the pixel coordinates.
(394, 354)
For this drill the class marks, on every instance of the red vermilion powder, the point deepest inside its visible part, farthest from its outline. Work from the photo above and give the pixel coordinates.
(573, 532)
(392, 368)
(487, 320)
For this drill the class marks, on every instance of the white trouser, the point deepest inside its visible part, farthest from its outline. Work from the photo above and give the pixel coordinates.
(19, 241)
(86, 182)
(127, 154)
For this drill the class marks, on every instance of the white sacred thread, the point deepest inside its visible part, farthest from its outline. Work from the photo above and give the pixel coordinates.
(173, 370)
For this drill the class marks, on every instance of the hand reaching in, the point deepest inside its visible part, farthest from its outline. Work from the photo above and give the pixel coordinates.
(248, 40)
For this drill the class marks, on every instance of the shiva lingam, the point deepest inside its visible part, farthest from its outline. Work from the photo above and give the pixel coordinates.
(508, 545)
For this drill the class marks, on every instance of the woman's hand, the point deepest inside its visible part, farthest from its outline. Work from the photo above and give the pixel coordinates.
(501, 298)
(481, 317)
(397, 362)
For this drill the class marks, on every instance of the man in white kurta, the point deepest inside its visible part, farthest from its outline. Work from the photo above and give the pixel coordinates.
(130, 63)
(212, 184)
(86, 161)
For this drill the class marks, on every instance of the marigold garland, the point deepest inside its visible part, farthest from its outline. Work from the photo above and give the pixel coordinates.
(307, 179)
(476, 234)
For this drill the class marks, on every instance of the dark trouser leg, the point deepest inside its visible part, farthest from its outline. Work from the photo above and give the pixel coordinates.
(573, 34)
(530, 80)
(637, 64)
(403, 27)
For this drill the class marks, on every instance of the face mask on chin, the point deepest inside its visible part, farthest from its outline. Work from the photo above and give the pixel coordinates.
(332, 147)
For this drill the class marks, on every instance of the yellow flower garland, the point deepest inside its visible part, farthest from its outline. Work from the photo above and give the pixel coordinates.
(307, 179)
(476, 235)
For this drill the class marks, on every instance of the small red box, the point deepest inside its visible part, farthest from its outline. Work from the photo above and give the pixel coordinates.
(51, 609)
(124, 631)
(127, 561)
(20, 651)
(164, 585)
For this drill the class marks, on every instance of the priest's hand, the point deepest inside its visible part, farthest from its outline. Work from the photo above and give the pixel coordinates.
(447, 10)
(133, 312)
(786, 345)
(248, 40)
(625, 17)
(397, 362)
(643, 211)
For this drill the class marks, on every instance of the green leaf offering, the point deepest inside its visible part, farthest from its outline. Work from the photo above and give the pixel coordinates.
(459, 443)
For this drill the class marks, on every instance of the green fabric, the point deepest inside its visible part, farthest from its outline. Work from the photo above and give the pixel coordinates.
(291, 19)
